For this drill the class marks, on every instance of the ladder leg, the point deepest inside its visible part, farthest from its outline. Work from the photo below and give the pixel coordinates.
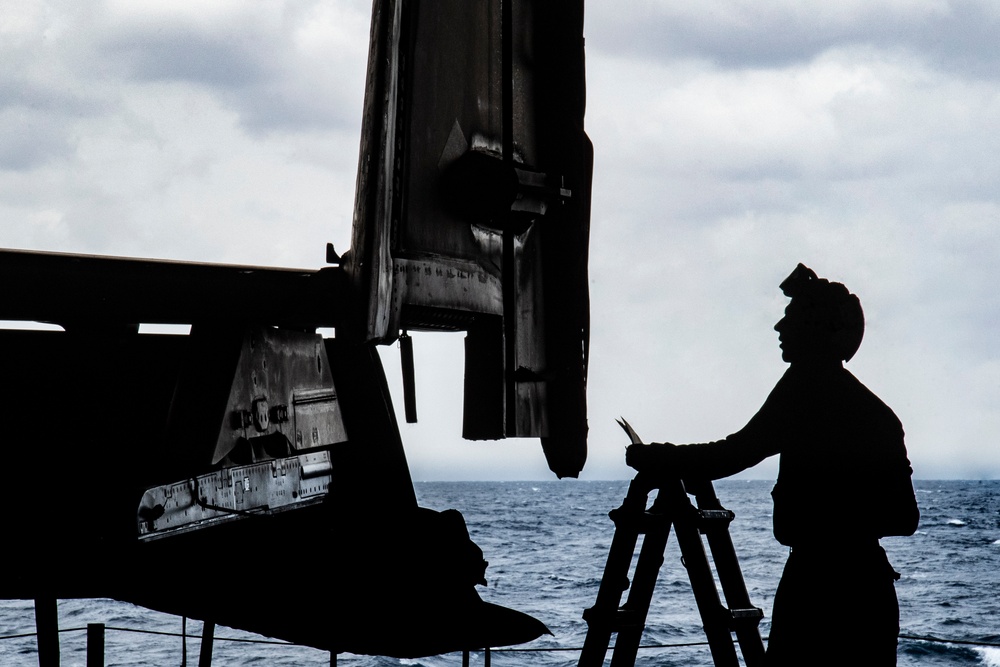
(713, 614)
(647, 569)
(737, 597)
(600, 617)
(714, 617)
(734, 587)
(605, 617)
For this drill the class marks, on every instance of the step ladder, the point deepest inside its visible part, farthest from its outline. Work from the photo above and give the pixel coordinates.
(672, 508)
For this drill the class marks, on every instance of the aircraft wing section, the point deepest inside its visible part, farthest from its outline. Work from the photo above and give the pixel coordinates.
(473, 204)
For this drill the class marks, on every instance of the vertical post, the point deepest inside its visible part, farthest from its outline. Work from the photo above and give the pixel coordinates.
(465, 658)
(409, 380)
(47, 627)
(508, 268)
(95, 645)
(487, 661)
(184, 641)
(333, 659)
(207, 637)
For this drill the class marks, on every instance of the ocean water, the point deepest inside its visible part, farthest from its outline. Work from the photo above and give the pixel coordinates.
(547, 543)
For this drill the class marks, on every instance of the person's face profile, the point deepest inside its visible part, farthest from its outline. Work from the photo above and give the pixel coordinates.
(797, 335)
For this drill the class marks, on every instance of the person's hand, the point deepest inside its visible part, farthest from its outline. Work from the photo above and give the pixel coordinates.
(635, 456)
(654, 456)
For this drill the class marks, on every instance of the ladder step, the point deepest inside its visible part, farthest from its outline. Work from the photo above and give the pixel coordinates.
(714, 520)
(643, 522)
(640, 522)
(623, 618)
(616, 619)
(746, 615)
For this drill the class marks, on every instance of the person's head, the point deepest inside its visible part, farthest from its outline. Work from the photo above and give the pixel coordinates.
(823, 322)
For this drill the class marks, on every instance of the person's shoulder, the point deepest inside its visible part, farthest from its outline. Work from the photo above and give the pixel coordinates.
(871, 397)
(792, 383)
(799, 376)
(849, 378)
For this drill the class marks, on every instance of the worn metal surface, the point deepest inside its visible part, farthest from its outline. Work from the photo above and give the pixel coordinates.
(233, 493)
(473, 204)
(281, 389)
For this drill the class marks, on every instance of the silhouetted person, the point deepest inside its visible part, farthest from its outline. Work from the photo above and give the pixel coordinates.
(843, 483)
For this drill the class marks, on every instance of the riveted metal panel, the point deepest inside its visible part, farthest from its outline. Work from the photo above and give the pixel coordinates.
(282, 398)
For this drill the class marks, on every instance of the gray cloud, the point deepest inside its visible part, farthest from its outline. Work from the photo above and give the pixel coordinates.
(960, 36)
(224, 59)
(35, 112)
(265, 70)
(29, 139)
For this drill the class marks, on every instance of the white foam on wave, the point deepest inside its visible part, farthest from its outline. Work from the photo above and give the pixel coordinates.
(956, 522)
(990, 656)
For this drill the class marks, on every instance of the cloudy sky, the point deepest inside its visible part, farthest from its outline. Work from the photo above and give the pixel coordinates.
(733, 140)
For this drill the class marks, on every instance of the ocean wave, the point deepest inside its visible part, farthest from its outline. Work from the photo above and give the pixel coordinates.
(990, 656)
(932, 653)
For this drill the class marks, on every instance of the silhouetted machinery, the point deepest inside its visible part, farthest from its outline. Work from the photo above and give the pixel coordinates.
(251, 473)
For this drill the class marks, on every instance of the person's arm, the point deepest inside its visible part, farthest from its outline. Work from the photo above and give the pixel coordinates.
(763, 436)
(709, 460)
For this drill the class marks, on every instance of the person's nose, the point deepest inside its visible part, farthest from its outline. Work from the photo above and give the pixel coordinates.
(779, 325)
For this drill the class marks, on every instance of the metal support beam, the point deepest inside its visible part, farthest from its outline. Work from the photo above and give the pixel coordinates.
(81, 291)
(47, 627)
(207, 638)
(95, 645)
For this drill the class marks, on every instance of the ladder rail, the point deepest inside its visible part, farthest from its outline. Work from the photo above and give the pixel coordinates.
(600, 617)
(640, 596)
(706, 594)
(720, 543)
(599, 621)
